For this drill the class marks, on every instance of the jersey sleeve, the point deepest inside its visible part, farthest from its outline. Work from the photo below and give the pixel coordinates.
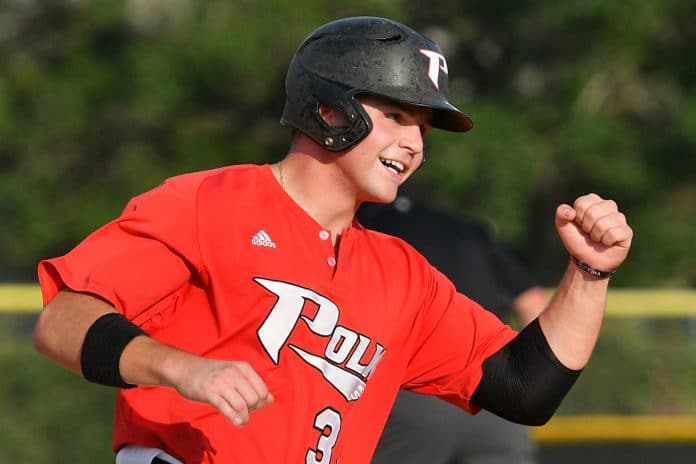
(137, 260)
(453, 337)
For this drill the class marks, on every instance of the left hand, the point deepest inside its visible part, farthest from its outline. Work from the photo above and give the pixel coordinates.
(594, 231)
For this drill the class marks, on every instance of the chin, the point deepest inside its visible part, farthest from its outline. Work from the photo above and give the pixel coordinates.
(383, 197)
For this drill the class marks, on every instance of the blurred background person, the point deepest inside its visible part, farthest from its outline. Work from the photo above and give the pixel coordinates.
(423, 429)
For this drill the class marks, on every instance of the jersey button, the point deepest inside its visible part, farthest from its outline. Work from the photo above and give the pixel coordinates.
(324, 235)
(332, 261)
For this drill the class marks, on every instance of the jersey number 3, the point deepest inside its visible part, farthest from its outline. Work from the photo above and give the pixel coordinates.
(328, 422)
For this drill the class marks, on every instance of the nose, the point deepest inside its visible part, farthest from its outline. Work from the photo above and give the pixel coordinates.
(411, 139)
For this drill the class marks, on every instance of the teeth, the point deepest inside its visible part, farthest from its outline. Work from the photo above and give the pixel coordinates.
(395, 165)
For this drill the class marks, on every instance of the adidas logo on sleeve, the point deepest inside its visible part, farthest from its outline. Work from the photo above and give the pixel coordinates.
(261, 238)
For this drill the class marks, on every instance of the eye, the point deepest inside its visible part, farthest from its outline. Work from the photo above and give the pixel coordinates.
(393, 116)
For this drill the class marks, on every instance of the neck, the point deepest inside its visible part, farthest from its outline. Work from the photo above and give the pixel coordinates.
(315, 185)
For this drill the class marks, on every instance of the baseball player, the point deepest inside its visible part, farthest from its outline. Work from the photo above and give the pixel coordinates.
(245, 316)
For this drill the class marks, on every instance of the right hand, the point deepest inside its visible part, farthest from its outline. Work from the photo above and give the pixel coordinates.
(594, 231)
(232, 387)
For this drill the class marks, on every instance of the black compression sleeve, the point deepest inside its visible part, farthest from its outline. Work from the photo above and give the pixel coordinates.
(524, 382)
(104, 342)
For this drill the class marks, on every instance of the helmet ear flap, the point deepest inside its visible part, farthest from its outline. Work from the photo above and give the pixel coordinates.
(345, 99)
(321, 91)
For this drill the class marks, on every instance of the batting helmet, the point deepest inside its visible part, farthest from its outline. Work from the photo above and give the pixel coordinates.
(353, 56)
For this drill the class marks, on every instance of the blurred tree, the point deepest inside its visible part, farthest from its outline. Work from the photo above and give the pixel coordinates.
(102, 100)
(571, 97)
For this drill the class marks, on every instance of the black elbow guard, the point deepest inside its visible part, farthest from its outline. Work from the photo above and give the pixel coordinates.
(524, 382)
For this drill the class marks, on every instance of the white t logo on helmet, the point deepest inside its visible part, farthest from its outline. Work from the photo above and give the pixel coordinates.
(437, 63)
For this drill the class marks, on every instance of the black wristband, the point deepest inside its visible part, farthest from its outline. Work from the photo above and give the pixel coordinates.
(104, 342)
(592, 271)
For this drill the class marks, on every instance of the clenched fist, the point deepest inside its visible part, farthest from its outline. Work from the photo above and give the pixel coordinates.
(594, 231)
(232, 387)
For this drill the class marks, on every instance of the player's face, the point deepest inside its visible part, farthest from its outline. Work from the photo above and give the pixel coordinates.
(392, 151)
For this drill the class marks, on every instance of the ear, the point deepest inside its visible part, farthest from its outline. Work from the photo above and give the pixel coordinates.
(333, 116)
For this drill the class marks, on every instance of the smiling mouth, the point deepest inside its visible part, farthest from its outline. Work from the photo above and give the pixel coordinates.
(395, 166)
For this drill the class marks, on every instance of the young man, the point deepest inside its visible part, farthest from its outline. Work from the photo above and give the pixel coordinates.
(247, 317)
(422, 428)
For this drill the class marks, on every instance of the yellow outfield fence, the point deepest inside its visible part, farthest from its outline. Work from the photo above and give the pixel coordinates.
(575, 429)
(20, 298)
(616, 428)
(652, 303)
(635, 303)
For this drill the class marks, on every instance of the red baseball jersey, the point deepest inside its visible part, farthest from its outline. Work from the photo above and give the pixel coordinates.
(224, 264)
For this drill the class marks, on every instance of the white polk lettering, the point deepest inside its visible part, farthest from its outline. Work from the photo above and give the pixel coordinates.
(354, 361)
(379, 352)
(340, 345)
(276, 329)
